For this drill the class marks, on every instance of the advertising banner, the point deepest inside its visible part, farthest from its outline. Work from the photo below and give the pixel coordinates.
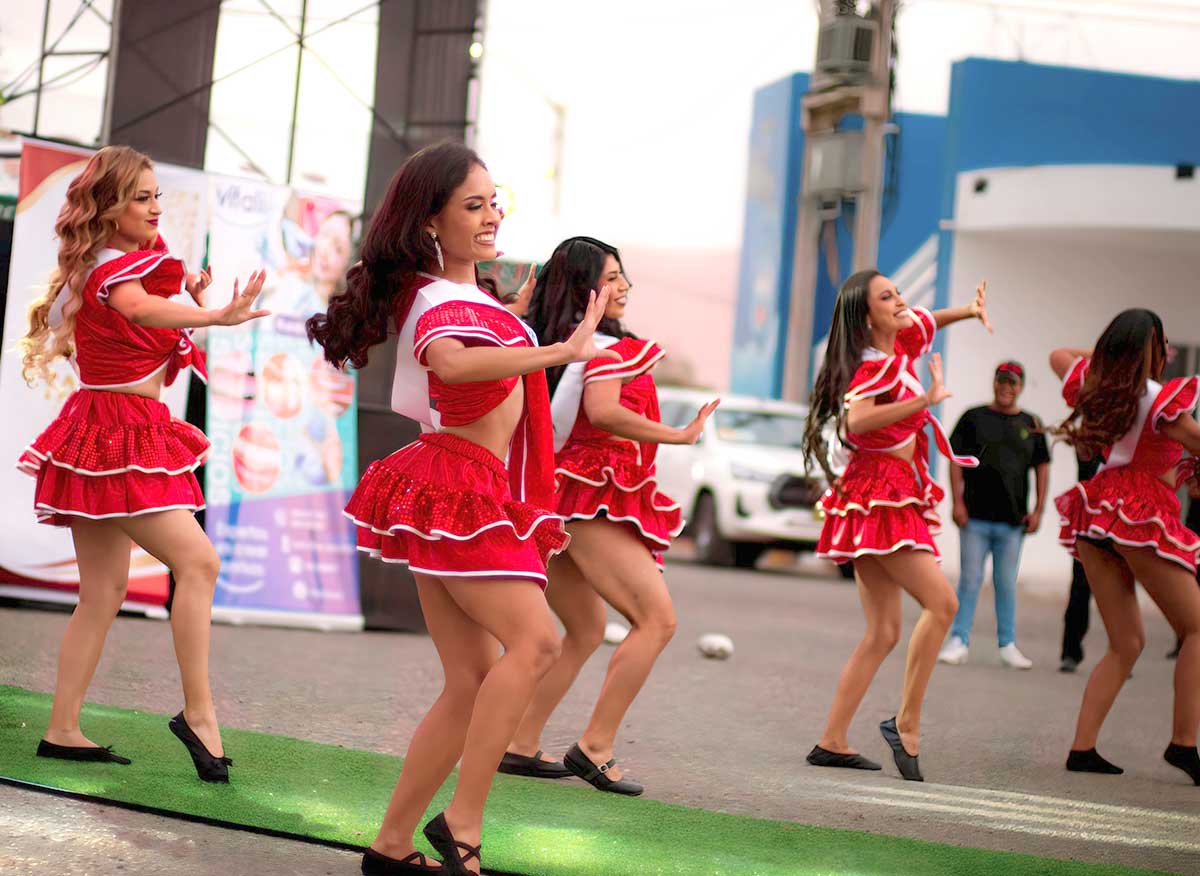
(281, 420)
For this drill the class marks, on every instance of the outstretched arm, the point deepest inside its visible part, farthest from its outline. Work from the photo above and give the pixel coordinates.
(602, 404)
(1062, 359)
(977, 309)
(132, 301)
(454, 362)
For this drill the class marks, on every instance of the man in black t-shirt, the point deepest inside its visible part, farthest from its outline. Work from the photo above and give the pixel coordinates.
(991, 508)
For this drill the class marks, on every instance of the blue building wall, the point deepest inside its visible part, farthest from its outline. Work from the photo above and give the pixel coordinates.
(1000, 114)
(768, 238)
(1015, 114)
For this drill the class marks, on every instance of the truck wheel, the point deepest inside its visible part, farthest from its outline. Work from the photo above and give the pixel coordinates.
(711, 547)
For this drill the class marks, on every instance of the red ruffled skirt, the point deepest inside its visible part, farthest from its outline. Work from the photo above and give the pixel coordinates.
(114, 454)
(442, 505)
(883, 507)
(607, 480)
(1131, 506)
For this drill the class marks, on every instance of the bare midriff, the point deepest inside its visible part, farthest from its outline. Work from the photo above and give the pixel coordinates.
(151, 387)
(905, 452)
(494, 430)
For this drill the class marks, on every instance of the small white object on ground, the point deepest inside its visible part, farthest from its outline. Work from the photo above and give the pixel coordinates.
(615, 633)
(715, 646)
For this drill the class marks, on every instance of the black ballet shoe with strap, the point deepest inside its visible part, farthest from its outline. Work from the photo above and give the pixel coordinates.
(454, 854)
(376, 864)
(597, 776)
(209, 767)
(532, 767)
(907, 763)
(88, 753)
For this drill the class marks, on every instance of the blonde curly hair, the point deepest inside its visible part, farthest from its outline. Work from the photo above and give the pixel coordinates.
(86, 222)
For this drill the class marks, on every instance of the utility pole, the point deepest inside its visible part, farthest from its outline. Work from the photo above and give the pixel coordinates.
(846, 80)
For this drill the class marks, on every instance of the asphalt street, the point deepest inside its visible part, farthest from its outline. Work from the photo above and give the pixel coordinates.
(725, 735)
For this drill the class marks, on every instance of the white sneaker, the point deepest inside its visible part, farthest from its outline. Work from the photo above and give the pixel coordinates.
(1014, 659)
(955, 652)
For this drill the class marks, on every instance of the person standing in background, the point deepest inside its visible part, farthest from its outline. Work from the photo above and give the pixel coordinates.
(991, 508)
(1075, 619)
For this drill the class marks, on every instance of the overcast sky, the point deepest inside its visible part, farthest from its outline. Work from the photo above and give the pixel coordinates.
(657, 93)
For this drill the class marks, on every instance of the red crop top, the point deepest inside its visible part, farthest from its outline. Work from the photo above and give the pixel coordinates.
(1145, 445)
(483, 322)
(110, 351)
(638, 358)
(893, 378)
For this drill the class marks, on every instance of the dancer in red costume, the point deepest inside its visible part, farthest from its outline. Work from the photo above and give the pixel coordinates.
(475, 530)
(608, 430)
(881, 514)
(115, 466)
(1123, 524)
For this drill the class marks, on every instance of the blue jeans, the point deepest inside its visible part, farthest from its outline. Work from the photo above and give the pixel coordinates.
(1003, 541)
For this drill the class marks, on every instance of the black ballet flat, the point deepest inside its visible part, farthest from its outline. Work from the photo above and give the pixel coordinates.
(1089, 761)
(905, 762)
(1186, 758)
(532, 767)
(209, 767)
(89, 753)
(375, 864)
(453, 863)
(823, 757)
(596, 776)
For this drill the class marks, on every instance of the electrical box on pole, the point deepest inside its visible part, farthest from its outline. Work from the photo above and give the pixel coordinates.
(851, 76)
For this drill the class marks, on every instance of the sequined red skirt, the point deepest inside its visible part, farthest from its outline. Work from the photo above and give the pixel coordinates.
(442, 505)
(882, 507)
(1133, 508)
(113, 454)
(608, 480)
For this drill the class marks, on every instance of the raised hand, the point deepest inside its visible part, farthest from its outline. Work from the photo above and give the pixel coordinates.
(238, 310)
(690, 433)
(581, 346)
(978, 307)
(937, 392)
(197, 283)
(520, 305)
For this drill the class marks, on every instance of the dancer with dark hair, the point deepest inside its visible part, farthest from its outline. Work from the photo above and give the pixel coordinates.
(1123, 524)
(607, 430)
(881, 515)
(473, 528)
(115, 466)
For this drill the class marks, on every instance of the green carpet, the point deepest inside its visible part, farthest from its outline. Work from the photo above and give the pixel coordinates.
(533, 827)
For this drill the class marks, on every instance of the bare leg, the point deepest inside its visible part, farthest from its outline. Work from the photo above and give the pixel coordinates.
(918, 573)
(102, 552)
(1174, 590)
(176, 539)
(515, 612)
(617, 564)
(467, 652)
(1112, 584)
(583, 616)
(880, 598)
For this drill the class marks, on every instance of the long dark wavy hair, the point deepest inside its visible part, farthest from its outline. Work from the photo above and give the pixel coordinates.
(849, 337)
(378, 287)
(1108, 401)
(560, 295)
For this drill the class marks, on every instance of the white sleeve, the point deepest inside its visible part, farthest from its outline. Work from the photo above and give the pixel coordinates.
(564, 406)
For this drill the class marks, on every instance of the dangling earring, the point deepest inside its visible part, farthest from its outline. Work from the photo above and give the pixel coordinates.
(438, 248)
